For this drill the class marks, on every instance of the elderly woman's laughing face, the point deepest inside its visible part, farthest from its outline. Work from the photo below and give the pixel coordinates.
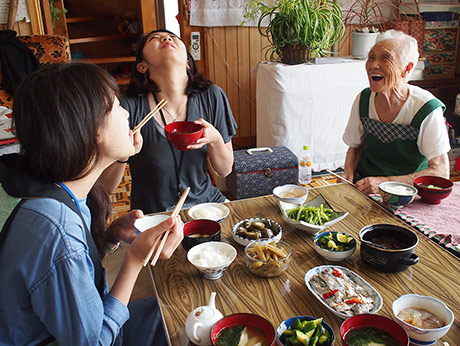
(384, 68)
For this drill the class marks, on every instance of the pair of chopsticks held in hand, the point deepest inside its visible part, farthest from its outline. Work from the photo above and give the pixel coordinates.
(165, 236)
(179, 204)
(150, 115)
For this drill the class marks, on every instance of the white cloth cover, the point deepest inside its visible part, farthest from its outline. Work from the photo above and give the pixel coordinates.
(22, 11)
(218, 13)
(308, 104)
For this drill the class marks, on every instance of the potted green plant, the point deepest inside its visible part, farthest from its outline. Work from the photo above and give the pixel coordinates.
(369, 17)
(297, 30)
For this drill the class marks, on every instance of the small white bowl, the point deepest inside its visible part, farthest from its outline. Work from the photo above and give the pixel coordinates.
(210, 211)
(149, 221)
(211, 272)
(419, 336)
(334, 256)
(291, 193)
(245, 241)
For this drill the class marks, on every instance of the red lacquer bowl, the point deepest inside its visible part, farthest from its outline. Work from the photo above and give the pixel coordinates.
(201, 226)
(431, 195)
(377, 321)
(183, 133)
(249, 320)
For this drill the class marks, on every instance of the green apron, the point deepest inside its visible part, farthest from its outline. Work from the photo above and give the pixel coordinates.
(391, 149)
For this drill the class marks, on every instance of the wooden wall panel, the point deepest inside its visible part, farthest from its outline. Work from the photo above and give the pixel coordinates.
(22, 28)
(231, 57)
(244, 82)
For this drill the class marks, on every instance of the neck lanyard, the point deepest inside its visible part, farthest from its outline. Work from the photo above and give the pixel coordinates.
(75, 200)
(177, 167)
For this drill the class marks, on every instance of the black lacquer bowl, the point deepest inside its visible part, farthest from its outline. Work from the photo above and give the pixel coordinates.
(388, 248)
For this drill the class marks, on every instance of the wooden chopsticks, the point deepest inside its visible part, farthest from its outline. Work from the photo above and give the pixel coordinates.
(165, 236)
(338, 176)
(149, 116)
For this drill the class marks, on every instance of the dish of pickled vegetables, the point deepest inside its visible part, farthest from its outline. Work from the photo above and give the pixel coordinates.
(267, 257)
(336, 241)
(248, 230)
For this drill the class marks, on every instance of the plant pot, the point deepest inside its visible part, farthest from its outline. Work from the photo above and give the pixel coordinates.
(362, 42)
(294, 54)
(395, 259)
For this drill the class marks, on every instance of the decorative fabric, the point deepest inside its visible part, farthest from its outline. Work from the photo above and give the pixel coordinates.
(438, 222)
(387, 133)
(48, 49)
(218, 13)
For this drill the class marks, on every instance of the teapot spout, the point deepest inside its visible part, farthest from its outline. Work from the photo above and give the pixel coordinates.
(212, 300)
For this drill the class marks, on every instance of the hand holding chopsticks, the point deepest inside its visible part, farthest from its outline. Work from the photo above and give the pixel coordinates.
(149, 116)
(165, 236)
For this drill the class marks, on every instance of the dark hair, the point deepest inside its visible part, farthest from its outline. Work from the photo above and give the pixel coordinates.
(58, 112)
(141, 83)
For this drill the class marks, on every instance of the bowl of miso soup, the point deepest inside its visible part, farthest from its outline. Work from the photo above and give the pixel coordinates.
(243, 329)
(433, 189)
(369, 329)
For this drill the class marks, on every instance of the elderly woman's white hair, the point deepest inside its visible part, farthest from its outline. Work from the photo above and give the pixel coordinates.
(407, 50)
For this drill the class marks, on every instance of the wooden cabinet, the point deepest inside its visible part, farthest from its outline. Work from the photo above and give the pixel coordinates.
(98, 31)
(445, 89)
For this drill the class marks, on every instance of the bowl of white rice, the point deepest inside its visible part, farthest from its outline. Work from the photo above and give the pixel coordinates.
(397, 194)
(209, 211)
(211, 258)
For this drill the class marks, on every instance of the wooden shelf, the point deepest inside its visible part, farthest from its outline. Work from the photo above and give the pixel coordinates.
(428, 52)
(441, 27)
(110, 60)
(122, 80)
(86, 19)
(101, 38)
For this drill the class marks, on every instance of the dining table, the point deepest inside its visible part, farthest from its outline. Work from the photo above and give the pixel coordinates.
(180, 287)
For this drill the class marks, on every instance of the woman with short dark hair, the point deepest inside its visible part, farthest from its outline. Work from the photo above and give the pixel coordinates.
(71, 127)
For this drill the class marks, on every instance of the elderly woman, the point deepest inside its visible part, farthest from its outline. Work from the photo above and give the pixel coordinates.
(160, 173)
(396, 131)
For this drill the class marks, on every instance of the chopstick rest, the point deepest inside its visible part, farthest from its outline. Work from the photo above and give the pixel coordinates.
(175, 212)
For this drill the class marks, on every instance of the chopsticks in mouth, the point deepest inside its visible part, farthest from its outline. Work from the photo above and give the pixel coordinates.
(149, 116)
(175, 212)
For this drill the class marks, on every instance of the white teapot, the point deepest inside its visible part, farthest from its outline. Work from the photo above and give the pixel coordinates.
(200, 321)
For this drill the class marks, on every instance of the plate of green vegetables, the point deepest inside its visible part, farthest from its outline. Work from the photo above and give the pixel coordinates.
(313, 216)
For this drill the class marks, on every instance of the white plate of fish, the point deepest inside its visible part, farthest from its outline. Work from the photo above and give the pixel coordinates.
(312, 227)
(342, 291)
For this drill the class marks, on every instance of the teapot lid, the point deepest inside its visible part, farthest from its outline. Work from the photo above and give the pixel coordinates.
(204, 313)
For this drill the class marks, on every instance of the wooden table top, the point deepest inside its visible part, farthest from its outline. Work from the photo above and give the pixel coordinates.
(181, 288)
